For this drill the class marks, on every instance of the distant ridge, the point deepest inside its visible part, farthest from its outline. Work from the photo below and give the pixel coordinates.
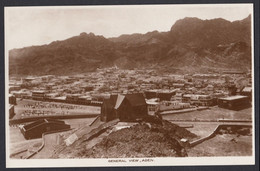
(192, 45)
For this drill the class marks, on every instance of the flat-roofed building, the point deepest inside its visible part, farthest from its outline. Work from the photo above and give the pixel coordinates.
(52, 95)
(186, 98)
(234, 102)
(205, 100)
(12, 99)
(200, 100)
(61, 99)
(22, 94)
(165, 94)
(29, 79)
(153, 106)
(14, 88)
(37, 128)
(177, 96)
(72, 98)
(38, 95)
(150, 94)
(172, 105)
(247, 91)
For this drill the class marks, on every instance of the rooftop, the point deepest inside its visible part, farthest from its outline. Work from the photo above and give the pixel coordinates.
(247, 89)
(234, 97)
(60, 98)
(38, 91)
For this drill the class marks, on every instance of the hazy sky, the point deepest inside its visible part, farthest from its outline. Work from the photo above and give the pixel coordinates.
(26, 26)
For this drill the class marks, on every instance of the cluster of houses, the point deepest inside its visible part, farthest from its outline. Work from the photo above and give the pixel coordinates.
(161, 92)
(129, 95)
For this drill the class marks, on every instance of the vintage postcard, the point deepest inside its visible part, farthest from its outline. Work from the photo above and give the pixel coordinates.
(133, 85)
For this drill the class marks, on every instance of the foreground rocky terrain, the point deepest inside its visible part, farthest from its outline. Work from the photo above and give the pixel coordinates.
(145, 139)
(227, 142)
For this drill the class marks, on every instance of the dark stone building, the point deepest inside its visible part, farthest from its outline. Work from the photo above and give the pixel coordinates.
(37, 128)
(234, 102)
(127, 107)
(162, 95)
(12, 100)
(149, 94)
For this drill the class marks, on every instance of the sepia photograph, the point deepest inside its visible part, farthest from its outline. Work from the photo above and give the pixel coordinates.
(129, 85)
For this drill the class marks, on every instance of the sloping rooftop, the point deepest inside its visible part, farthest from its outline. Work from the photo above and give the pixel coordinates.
(120, 99)
(136, 99)
(111, 101)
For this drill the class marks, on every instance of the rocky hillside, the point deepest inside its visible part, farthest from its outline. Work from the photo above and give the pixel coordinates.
(146, 139)
(191, 45)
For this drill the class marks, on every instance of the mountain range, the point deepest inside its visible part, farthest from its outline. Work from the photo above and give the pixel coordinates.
(191, 45)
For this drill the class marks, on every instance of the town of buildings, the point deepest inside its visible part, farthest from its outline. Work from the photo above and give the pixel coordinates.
(128, 94)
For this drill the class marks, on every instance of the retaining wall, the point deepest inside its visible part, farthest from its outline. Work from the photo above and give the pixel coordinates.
(93, 133)
(43, 141)
(213, 134)
(169, 112)
(39, 149)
